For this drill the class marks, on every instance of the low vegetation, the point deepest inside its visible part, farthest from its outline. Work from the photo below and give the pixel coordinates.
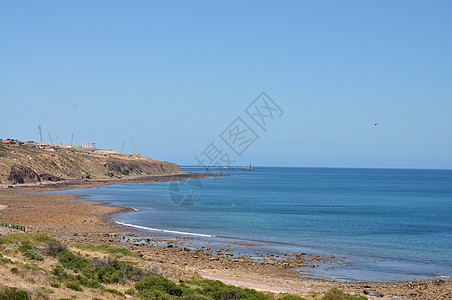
(104, 248)
(336, 294)
(53, 271)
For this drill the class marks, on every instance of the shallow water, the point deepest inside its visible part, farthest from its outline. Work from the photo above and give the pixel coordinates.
(388, 224)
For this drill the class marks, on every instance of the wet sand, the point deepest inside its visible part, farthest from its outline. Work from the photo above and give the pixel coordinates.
(89, 222)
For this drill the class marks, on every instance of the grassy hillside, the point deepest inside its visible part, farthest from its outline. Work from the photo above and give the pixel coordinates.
(23, 164)
(37, 266)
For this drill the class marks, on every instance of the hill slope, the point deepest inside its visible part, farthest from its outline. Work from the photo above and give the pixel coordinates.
(22, 164)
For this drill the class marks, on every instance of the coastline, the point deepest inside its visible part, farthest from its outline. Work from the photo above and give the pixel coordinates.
(91, 222)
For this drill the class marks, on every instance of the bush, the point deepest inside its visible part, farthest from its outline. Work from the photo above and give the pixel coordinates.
(154, 269)
(55, 285)
(160, 283)
(130, 292)
(61, 273)
(218, 290)
(290, 297)
(26, 246)
(13, 293)
(133, 273)
(54, 248)
(196, 297)
(113, 291)
(109, 275)
(32, 254)
(46, 290)
(74, 286)
(71, 261)
(337, 294)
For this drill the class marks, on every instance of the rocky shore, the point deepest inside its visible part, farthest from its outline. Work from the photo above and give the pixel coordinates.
(90, 223)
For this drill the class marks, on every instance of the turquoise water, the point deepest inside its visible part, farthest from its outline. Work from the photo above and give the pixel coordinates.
(385, 224)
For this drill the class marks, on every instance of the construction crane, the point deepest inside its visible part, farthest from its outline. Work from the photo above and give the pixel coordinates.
(133, 146)
(40, 134)
(122, 148)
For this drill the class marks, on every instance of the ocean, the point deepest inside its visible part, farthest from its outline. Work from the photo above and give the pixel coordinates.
(383, 224)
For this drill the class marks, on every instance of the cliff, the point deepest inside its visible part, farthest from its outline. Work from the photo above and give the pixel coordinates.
(23, 164)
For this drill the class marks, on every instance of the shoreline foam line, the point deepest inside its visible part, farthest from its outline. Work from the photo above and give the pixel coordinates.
(164, 230)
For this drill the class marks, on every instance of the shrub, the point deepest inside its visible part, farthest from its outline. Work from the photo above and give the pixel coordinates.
(54, 248)
(42, 237)
(32, 254)
(26, 246)
(154, 269)
(13, 293)
(160, 283)
(130, 292)
(71, 261)
(154, 294)
(74, 286)
(45, 290)
(290, 297)
(337, 294)
(61, 273)
(55, 285)
(133, 273)
(14, 270)
(196, 297)
(218, 290)
(113, 291)
(109, 275)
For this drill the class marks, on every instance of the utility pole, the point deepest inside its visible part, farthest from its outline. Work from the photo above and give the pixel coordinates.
(133, 146)
(50, 138)
(122, 148)
(72, 140)
(40, 134)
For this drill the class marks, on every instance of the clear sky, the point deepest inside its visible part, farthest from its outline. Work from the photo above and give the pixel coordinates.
(173, 75)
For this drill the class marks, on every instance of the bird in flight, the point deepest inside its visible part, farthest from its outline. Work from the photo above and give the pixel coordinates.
(375, 124)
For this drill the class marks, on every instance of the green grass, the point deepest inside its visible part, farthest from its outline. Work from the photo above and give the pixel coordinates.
(25, 238)
(103, 248)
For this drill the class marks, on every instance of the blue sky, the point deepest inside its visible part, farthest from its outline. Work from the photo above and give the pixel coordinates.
(173, 75)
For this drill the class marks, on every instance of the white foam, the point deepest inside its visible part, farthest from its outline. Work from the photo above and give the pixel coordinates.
(163, 230)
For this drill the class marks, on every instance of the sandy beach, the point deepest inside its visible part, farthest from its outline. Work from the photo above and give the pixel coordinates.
(88, 222)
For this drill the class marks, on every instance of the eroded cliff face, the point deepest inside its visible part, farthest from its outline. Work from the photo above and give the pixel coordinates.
(22, 164)
(22, 174)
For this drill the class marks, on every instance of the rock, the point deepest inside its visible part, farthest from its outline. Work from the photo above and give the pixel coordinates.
(214, 258)
(22, 174)
(50, 177)
(373, 293)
